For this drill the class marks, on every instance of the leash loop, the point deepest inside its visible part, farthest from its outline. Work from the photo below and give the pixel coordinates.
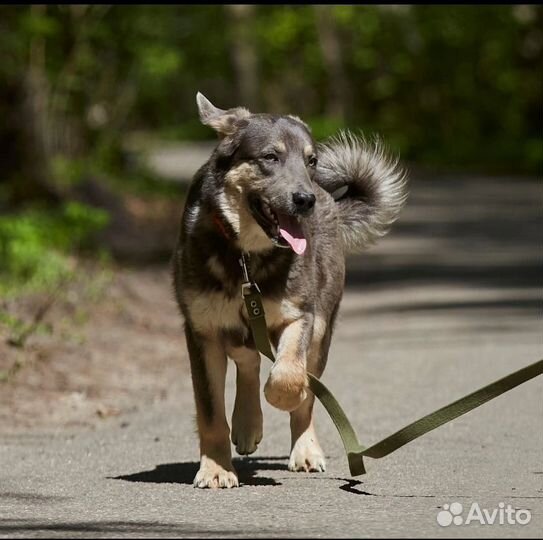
(248, 284)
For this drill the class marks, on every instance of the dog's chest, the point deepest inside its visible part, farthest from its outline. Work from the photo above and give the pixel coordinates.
(214, 312)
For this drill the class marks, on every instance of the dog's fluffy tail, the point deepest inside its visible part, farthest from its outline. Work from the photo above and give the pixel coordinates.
(369, 187)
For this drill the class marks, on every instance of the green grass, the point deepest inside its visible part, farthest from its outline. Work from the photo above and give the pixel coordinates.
(37, 246)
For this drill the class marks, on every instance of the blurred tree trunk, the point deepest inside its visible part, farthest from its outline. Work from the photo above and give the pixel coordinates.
(30, 125)
(244, 55)
(337, 105)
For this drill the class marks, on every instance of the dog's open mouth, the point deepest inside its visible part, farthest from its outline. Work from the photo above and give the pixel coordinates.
(283, 230)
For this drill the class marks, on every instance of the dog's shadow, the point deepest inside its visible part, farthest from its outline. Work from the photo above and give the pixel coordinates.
(184, 473)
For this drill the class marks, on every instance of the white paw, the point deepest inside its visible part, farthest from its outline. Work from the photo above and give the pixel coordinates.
(246, 429)
(307, 455)
(286, 386)
(213, 475)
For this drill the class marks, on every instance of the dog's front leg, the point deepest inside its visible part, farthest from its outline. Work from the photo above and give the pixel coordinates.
(208, 369)
(247, 416)
(287, 383)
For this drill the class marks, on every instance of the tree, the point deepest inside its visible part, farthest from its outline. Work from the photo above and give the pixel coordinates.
(338, 93)
(243, 52)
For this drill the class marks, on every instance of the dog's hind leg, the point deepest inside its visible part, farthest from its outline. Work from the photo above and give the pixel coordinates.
(306, 453)
(247, 416)
(208, 369)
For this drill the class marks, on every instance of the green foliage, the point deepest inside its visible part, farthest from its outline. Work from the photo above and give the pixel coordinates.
(35, 245)
(323, 127)
(454, 86)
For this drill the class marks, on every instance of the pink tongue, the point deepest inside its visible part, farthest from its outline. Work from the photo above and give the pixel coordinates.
(290, 230)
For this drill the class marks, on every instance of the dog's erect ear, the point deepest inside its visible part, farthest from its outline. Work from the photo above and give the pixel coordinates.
(223, 122)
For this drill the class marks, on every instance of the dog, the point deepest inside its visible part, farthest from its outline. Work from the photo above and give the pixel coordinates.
(294, 208)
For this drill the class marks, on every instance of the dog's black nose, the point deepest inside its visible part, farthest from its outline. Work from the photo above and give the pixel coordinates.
(303, 202)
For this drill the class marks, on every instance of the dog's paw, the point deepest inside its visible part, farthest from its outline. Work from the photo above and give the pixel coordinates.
(307, 455)
(213, 475)
(286, 386)
(246, 429)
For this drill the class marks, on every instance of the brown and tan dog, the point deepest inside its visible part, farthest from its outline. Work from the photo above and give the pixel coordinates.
(295, 208)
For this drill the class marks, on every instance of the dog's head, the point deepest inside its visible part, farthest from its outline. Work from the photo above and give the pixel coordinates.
(267, 187)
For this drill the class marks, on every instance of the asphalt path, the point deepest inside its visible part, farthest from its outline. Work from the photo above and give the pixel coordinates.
(447, 303)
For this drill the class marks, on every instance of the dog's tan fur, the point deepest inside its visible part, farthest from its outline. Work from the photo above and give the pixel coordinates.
(212, 311)
(251, 237)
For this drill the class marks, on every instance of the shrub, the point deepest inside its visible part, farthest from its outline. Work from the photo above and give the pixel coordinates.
(37, 246)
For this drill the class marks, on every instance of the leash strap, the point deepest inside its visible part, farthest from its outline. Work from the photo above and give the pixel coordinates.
(354, 450)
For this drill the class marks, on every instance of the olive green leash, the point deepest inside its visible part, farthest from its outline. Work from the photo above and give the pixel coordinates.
(354, 450)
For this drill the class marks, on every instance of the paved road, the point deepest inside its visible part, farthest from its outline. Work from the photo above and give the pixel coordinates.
(446, 304)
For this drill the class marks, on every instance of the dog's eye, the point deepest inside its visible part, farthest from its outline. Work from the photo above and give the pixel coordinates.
(271, 157)
(312, 161)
